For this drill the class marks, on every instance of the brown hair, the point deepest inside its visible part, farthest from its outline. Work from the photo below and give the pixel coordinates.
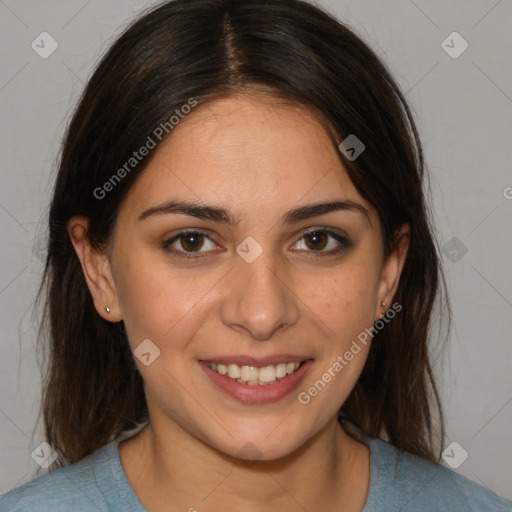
(203, 49)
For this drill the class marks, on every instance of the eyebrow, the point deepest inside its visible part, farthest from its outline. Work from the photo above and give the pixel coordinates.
(221, 215)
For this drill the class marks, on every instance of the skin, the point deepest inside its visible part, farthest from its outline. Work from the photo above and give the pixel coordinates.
(258, 158)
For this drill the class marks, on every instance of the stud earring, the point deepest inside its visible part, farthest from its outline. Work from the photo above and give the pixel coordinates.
(383, 304)
(107, 309)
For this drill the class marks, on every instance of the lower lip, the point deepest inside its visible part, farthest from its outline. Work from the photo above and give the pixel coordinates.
(258, 394)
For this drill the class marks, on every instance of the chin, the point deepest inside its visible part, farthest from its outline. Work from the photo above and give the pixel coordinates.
(259, 442)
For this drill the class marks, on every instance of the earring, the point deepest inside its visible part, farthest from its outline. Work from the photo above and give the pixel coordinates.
(383, 304)
(107, 309)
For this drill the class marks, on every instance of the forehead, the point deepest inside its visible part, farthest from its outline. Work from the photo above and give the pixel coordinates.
(246, 152)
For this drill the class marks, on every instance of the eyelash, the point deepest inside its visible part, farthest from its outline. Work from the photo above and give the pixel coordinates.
(344, 242)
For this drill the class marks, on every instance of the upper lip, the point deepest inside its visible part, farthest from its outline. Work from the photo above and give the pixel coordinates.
(244, 360)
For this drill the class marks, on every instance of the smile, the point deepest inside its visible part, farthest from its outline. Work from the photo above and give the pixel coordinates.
(254, 375)
(256, 381)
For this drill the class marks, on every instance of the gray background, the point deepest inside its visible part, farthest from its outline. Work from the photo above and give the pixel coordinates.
(463, 108)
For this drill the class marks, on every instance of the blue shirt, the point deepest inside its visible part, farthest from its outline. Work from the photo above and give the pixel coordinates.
(399, 482)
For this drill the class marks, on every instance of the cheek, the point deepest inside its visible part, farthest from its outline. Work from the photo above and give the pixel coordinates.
(345, 306)
(158, 303)
(344, 300)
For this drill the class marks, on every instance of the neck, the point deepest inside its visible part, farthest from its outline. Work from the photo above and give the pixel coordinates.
(329, 468)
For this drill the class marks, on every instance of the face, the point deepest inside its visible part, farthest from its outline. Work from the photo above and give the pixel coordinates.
(250, 280)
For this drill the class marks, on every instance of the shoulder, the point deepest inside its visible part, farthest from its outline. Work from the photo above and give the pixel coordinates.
(74, 487)
(406, 482)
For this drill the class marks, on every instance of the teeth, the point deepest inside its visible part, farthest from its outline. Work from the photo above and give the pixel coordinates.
(249, 373)
(233, 371)
(281, 370)
(267, 373)
(253, 375)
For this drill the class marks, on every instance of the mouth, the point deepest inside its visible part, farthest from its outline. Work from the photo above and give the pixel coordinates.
(254, 375)
(253, 381)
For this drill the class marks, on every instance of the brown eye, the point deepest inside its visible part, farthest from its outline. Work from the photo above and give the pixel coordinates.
(191, 241)
(322, 242)
(316, 240)
(190, 244)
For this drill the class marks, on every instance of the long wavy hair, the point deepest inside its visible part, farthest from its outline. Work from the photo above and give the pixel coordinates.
(203, 49)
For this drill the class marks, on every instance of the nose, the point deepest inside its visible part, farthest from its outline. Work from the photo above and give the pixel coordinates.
(260, 299)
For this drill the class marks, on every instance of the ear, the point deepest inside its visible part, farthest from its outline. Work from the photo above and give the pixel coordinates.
(96, 269)
(392, 269)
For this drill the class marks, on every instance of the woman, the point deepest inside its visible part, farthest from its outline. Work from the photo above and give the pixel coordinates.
(241, 276)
